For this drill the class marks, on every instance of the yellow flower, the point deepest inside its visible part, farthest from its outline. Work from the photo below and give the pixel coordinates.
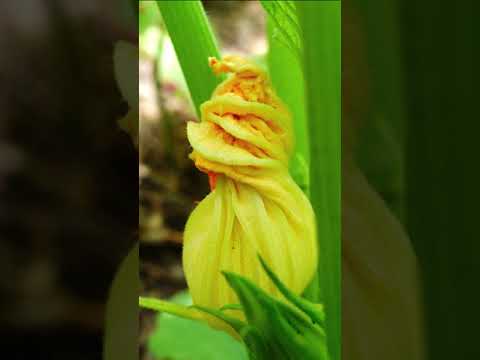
(243, 143)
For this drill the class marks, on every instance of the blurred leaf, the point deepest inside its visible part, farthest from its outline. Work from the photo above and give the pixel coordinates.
(382, 142)
(130, 123)
(182, 339)
(121, 319)
(300, 172)
(380, 157)
(125, 60)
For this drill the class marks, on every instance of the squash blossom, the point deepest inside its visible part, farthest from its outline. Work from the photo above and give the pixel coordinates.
(243, 143)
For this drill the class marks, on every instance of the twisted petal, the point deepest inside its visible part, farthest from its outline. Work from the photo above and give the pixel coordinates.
(243, 143)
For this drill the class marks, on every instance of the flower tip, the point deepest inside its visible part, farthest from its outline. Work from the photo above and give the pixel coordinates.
(212, 60)
(216, 65)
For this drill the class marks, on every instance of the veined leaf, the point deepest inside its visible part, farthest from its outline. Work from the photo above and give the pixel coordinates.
(286, 30)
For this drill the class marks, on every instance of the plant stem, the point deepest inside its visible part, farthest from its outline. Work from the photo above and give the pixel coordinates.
(194, 43)
(321, 25)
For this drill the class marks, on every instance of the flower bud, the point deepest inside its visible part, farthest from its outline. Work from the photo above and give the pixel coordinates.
(243, 143)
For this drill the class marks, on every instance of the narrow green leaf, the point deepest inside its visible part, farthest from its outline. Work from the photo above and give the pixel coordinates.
(185, 312)
(194, 43)
(321, 25)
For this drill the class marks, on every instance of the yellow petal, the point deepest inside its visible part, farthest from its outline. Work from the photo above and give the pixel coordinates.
(244, 141)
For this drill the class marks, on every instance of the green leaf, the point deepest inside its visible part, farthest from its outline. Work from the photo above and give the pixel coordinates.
(381, 158)
(182, 339)
(125, 61)
(382, 141)
(286, 28)
(121, 320)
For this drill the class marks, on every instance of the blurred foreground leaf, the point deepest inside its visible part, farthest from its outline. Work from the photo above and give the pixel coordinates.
(121, 320)
(125, 60)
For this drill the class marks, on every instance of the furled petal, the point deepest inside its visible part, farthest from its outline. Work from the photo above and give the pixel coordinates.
(243, 143)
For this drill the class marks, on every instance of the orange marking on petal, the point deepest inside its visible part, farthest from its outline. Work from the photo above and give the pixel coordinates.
(212, 179)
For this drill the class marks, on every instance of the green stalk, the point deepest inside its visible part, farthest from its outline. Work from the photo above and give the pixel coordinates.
(194, 43)
(321, 25)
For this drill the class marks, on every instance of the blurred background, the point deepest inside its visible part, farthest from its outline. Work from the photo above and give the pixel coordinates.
(68, 174)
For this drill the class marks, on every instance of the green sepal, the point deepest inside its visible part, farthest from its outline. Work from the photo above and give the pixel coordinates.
(236, 324)
(186, 312)
(286, 329)
(231, 307)
(314, 311)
